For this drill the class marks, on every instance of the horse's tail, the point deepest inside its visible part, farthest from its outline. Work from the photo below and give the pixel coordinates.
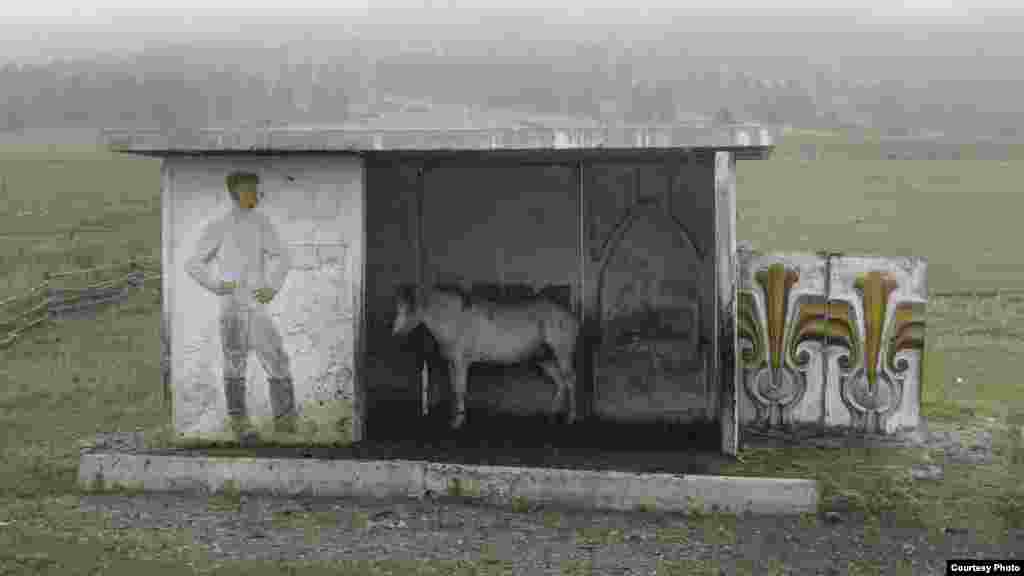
(567, 326)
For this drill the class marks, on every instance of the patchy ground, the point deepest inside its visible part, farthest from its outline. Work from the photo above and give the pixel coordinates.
(434, 534)
(545, 540)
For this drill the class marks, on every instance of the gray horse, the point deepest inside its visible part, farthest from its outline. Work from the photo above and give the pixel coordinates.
(469, 332)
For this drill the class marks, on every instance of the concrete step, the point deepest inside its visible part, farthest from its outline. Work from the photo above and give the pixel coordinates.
(498, 485)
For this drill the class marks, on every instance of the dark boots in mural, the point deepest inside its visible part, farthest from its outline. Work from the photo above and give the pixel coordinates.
(282, 405)
(238, 416)
(833, 341)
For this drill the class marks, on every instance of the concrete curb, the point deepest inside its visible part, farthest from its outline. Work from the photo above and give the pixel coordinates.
(100, 471)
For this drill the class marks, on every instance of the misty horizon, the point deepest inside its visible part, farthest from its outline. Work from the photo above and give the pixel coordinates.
(855, 40)
(923, 68)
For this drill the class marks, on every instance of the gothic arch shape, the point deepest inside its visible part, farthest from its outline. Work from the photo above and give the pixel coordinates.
(625, 224)
(610, 244)
(647, 362)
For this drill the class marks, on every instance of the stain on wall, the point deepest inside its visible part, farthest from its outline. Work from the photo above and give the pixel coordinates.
(831, 341)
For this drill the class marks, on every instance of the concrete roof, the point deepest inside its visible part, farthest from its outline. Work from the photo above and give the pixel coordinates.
(426, 133)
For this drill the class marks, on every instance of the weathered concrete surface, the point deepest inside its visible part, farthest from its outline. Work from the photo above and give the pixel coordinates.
(491, 484)
(722, 386)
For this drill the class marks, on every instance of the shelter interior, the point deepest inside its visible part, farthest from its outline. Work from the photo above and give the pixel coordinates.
(627, 243)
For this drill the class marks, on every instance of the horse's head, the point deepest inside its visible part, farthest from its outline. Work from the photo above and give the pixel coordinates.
(407, 315)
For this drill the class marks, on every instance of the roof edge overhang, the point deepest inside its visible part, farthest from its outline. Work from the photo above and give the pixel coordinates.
(533, 144)
(527, 156)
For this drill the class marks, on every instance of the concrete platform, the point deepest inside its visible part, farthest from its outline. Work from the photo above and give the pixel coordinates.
(605, 490)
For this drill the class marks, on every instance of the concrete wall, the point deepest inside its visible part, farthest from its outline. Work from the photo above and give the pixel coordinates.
(832, 341)
(316, 205)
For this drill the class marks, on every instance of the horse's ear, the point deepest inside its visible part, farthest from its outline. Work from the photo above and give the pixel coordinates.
(412, 295)
(405, 294)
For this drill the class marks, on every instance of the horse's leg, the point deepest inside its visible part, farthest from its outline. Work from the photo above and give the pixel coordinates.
(570, 390)
(460, 371)
(563, 355)
(550, 368)
(434, 391)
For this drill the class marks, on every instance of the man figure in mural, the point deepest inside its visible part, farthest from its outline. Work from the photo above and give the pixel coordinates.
(241, 241)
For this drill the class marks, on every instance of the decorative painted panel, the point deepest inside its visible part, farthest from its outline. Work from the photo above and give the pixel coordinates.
(833, 341)
(249, 363)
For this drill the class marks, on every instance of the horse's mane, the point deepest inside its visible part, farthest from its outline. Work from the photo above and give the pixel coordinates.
(415, 297)
(453, 290)
(411, 295)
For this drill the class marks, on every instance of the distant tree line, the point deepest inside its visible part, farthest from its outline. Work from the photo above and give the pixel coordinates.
(162, 91)
(593, 81)
(179, 87)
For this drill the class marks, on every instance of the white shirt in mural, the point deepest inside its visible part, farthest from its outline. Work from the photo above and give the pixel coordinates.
(240, 243)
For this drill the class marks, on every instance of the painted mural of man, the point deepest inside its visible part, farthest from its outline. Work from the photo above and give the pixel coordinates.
(241, 242)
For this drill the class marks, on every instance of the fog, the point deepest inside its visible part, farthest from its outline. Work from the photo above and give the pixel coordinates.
(872, 39)
(939, 67)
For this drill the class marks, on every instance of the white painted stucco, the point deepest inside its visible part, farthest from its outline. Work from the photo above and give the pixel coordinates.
(315, 203)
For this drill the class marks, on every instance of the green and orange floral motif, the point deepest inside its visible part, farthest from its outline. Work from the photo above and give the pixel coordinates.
(872, 389)
(871, 370)
(907, 334)
(830, 322)
(773, 373)
(868, 393)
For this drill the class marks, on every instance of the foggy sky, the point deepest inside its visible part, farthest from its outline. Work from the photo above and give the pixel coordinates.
(854, 36)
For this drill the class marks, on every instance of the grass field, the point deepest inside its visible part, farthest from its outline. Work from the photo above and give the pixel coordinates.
(960, 215)
(78, 207)
(73, 208)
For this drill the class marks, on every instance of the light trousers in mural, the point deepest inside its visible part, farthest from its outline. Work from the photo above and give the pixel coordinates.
(246, 328)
